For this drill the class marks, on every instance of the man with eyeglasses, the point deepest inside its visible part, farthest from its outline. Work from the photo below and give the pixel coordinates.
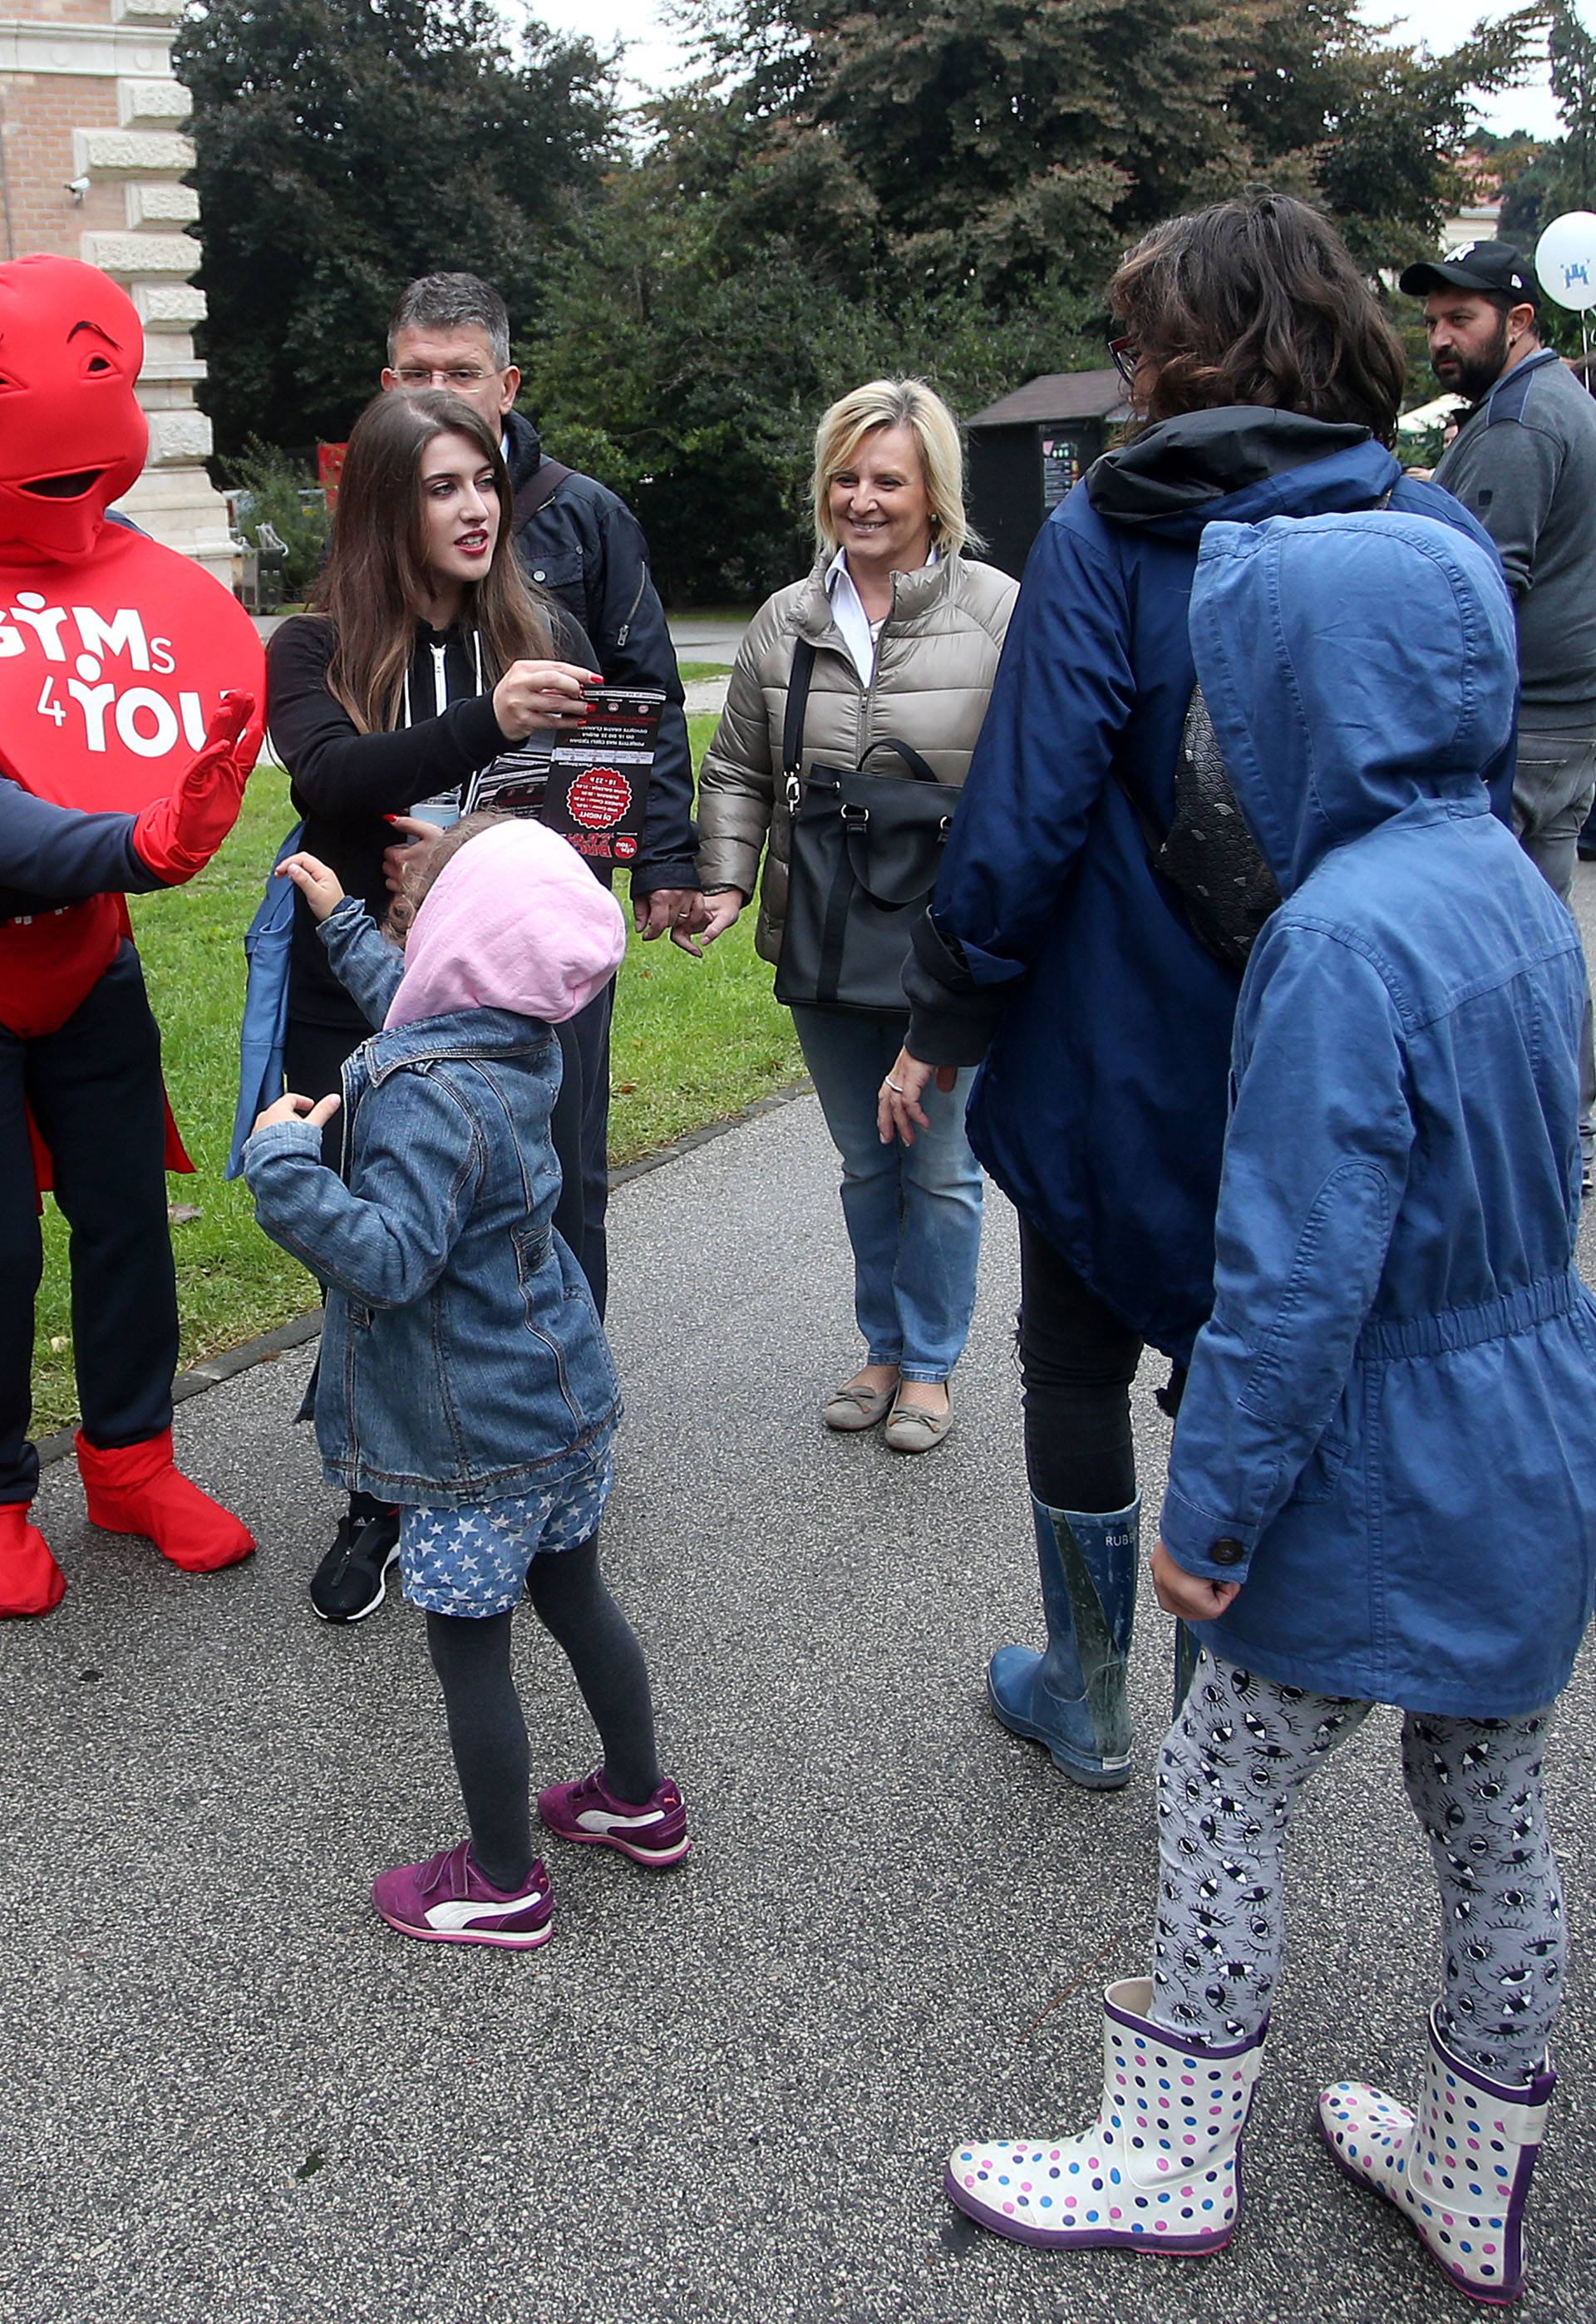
(579, 541)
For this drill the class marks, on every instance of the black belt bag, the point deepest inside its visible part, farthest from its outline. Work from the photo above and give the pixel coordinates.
(864, 850)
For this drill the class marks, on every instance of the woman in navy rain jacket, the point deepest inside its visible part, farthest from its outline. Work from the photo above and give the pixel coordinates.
(1383, 1482)
(1055, 955)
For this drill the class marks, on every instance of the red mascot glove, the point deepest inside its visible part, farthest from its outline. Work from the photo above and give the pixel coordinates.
(178, 835)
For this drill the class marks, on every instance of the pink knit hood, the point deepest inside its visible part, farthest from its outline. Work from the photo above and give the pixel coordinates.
(515, 920)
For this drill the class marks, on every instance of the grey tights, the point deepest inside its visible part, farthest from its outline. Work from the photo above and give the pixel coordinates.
(487, 1733)
(1230, 1772)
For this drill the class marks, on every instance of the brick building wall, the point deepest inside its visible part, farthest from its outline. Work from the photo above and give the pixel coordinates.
(92, 160)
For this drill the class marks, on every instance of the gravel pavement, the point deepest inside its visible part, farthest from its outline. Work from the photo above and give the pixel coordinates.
(231, 2096)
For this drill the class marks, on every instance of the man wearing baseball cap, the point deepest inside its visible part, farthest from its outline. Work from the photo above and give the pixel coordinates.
(1524, 462)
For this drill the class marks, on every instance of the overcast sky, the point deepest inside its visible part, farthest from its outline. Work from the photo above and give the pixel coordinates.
(653, 56)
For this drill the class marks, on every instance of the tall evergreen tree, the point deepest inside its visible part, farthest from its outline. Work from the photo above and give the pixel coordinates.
(346, 145)
(929, 142)
(1572, 55)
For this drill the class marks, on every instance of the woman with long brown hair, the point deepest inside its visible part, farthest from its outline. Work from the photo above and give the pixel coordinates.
(425, 658)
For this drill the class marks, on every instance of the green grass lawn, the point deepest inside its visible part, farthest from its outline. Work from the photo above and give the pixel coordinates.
(692, 1041)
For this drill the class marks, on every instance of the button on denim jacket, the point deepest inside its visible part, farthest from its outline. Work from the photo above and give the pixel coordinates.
(462, 1358)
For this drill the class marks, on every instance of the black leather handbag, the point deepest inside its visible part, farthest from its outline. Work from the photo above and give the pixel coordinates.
(1208, 853)
(864, 850)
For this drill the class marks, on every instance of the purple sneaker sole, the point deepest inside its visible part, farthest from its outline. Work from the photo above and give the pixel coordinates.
(518, 1940)
(651, 1832)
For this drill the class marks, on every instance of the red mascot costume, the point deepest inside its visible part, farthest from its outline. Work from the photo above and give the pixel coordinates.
(122, 760)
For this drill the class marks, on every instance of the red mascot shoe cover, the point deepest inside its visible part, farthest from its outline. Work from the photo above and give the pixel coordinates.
(136, 1489)
(31, 1581)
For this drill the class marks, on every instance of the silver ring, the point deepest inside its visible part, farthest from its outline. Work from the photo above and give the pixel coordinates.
(896, 1087)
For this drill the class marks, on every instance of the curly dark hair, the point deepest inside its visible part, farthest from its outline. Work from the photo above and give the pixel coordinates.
(1257, 300)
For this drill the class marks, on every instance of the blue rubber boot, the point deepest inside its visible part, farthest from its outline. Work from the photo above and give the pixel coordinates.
(1073, 1697)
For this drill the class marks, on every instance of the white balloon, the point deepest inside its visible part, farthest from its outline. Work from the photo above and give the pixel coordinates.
(1565, 259)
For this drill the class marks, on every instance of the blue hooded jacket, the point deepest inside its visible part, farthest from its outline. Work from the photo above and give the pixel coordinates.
(1388, 1435)
(1053, 950)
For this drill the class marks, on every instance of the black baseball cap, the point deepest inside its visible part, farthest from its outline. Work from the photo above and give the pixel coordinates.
(1476, 266)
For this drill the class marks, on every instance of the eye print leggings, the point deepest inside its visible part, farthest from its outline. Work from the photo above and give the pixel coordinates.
(1230, 1772)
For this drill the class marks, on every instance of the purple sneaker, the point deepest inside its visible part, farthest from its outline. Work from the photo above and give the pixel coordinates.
(448, 1900)
(654, 1832)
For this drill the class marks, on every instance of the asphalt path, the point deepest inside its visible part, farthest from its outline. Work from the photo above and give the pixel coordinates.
(228, 2095)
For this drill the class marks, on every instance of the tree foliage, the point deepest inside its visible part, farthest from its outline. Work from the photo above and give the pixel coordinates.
(943, 187)
(346, 145)
(933, 186)
(1571, 53)
(928, 143)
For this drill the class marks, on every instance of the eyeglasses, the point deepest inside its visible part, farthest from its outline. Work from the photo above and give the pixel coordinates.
(462, 377)
(1124, 354)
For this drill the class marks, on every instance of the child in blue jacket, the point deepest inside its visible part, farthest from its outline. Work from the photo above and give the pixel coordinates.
(463, 1374)
(1382, 1486)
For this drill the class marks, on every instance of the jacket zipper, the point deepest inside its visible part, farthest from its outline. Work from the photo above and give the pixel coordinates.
(867, 699)
(624, 631)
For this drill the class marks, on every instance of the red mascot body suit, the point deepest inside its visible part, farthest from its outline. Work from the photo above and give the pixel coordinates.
(123, 759)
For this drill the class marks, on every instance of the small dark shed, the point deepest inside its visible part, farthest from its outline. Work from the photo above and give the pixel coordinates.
(1028, 449)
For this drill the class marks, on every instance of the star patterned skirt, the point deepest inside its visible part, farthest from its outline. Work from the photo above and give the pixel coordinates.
(474, 1561)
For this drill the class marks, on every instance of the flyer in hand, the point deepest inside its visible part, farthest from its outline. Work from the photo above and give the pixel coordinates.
(593, 788)
(598, 779)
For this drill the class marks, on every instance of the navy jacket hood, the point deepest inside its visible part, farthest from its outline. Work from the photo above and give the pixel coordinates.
(1244, 461)
(1335, 714)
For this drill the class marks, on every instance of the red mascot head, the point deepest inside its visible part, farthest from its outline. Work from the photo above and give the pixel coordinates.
(72, 437)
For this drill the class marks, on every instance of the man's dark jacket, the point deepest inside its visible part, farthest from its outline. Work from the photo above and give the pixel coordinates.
(587, 548)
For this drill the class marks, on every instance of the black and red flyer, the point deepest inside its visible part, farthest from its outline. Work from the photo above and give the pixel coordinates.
(592, 786)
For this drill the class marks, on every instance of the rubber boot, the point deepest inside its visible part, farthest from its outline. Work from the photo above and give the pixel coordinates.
(1159, 2171)
(136, 1489)
(1073, 1697)
(1458, 2170)
(31, 1581)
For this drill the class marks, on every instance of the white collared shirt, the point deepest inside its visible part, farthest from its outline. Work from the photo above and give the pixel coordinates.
(847, 611)
(859, 632)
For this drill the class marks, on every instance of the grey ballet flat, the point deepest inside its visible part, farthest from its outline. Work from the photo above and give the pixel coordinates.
(912, 1429)
(850, 1409)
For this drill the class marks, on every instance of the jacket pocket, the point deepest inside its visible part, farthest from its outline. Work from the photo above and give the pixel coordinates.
(533, 1247)
(562, 574)
(1321, 1474)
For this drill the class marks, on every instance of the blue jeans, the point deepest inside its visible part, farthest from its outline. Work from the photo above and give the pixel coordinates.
(913, 1214)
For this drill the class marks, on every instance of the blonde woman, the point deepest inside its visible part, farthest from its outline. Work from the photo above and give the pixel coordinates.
(907, 631)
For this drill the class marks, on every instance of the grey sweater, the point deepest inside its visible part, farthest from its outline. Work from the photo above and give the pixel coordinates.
(1524, 463)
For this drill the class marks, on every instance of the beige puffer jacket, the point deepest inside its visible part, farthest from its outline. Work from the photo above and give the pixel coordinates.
(935, 658)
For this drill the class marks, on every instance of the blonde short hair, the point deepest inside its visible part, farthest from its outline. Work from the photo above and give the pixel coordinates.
(895, 403)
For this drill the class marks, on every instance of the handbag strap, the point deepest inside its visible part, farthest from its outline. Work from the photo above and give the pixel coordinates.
(792, 730)
(538, 490)
(922, 771)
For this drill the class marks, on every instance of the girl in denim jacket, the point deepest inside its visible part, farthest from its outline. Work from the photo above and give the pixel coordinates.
(463, 1372)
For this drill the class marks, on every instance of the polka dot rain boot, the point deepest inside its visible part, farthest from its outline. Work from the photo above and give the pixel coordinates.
(1458, 2171)
(1159, 2171)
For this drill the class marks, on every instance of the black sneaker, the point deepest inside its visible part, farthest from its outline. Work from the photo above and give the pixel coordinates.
(351, 1582)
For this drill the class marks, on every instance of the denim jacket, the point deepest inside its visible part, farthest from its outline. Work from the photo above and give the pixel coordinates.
(462, 1359)
(1389, 1435)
